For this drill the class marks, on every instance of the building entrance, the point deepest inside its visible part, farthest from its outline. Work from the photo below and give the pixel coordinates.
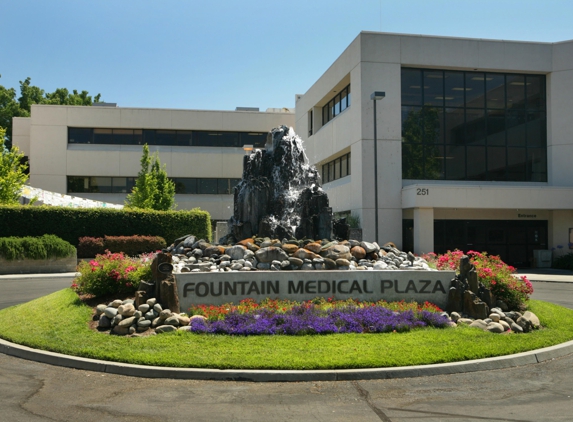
(513, 240)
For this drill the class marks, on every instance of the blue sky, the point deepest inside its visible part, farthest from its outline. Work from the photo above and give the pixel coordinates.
(219, 54)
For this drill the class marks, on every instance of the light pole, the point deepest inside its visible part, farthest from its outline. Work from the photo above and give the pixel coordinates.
(376, 95)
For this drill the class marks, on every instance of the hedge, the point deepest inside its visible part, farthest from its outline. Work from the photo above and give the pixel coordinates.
(89, 247)
(44, 247)
(72, 223)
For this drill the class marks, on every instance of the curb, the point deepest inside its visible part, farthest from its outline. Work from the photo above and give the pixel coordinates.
(12, 277)
(500, 362)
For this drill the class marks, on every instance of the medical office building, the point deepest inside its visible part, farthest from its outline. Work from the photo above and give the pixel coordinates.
(474, 144)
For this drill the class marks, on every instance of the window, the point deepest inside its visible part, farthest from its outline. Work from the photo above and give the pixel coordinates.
(166, 137)
(336, 105)
(310, 123)
(183, 185)
(336, 169)
(473, 126)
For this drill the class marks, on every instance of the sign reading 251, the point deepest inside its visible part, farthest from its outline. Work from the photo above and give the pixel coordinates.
(422, 191)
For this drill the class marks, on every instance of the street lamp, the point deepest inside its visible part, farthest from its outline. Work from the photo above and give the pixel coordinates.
(376, 95)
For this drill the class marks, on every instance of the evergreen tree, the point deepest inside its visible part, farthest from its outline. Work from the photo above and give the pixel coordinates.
(12, 172)
(153, 189)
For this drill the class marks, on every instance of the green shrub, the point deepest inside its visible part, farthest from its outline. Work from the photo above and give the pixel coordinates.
(72, 223)
(112, 273)
(564, 262)
(88, 247)
(44, 247)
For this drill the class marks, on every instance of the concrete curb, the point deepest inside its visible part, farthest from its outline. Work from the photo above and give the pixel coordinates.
(501, 362)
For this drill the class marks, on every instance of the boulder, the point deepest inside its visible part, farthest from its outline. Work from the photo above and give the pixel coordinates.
(313, 247)
(358, 252)
(271, 253)
(236, 252)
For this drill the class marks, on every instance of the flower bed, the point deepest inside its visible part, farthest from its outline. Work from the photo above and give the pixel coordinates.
(320, 316)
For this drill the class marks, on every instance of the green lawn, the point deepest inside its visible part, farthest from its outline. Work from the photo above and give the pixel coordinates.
(59, 323)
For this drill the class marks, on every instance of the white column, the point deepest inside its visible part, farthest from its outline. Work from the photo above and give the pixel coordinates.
(423, 230)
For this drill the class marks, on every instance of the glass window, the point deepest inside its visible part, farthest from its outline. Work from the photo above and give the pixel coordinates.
(184, 138)
(344, 165)
(103, 136)
(516, 128)
(223, 187)
(149, 137)
(335, 106)
(454, 127)
(496, 164)
(138, 137)
(536, 133)
(433, 120)
(207, 186)
(331, 171)
(185, 185)
(454, 89)
(78, 135)
(325, 178)
(475, 127)
(535, 91)
(100, 184)
(475, 90)
(412, 161)
(123, 137)
(475, 160)
(165, 137)
(343, 100)
(433, 87)
(119, 185)
(455, 158)
(495, 90)
(234, 183)
(257, 139)
(515, 91)
(496, 127)
(412, 87)
(78, 184)
(537, 164)
(412, 124)
(337, 169)
(516, 164)
(433, 162)
(348, 96)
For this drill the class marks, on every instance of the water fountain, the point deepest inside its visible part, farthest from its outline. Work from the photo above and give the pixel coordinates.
(280, 195)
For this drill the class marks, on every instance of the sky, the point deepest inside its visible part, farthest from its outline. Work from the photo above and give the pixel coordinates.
(222, 54)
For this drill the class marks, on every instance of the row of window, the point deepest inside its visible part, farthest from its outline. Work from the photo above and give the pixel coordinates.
(165, 137)
(336, 105)
(473, 126)
(183, 185)
(448, 88)
(336, 169)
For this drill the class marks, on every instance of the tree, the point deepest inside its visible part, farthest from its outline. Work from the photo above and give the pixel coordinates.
(12, 172)
(153, 189)
(30, 94)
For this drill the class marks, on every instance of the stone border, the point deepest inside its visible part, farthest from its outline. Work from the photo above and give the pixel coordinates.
(500, 362)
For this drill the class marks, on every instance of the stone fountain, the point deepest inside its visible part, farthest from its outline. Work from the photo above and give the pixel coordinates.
(280, 195)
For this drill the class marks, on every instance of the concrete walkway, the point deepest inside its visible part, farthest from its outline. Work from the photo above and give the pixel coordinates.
(547, 275)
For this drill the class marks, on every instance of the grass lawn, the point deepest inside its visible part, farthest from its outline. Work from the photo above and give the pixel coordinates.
(59, 323)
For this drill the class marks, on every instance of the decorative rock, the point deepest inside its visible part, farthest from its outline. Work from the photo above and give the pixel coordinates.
(183, 319)
(164, 314)
(455, 316)
(110, 312)
(157, 308)
(122, 331)
(172, 320)
(144, 308)
(165, 329)
(297, 262)
(144, 323)
(290, 248)
(304, 254)
(341, 262)
(116, 303)
(313, 247)
(494, 317)
(337, 252)
(494, 327)
(466, 321)
(156, 322)
(198, 317)
(478, 323)
(516, 328)
(358, 252)
(104, 322)
(138, 314)
(532, 318)
(127, 322)
(126, 310)
(151, 302)
(100, 309)
(236, 252)
(505, 325)
(270, 254)
(116, 320)
(369, 247)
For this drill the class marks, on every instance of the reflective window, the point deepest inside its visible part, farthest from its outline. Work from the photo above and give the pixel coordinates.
(80, 135)
(335, 169)
(100, 184)
(207, 186)
(485, 126)
(336, 105)
(103, 136)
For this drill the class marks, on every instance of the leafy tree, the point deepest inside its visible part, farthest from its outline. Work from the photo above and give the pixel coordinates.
(12, 172)
(29, 94)
(153, 189)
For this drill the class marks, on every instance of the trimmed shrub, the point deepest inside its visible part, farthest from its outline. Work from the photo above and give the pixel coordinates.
(564, 262)
(44, 247)
(88, 247)
(134, 245)
(72, 223)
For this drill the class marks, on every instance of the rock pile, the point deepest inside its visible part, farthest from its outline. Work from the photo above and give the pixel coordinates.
(121, 317)
(499, 321)
(192, 255)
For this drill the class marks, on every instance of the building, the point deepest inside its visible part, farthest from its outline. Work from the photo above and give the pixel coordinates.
(474, 142)
(94, 152)
(474, 139)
